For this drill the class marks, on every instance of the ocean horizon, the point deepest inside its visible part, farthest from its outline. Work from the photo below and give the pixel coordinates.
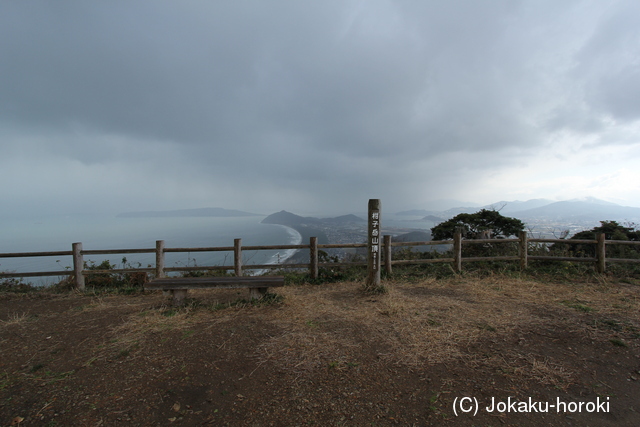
(58, 233)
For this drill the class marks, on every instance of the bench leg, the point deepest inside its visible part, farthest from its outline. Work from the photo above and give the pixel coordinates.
(178, 296)
(257, 293)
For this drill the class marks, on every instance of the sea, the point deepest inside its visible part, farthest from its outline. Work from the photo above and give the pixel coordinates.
(58, 233)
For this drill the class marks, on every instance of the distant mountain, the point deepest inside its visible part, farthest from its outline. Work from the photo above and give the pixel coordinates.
(292, 220)
(413, 236)
(287, 218)
(502, 206)
(201, 212)
(444, 204)
(310, 226)
(433, 207)
(590, 209)
(583, 209)
(462, 209)
(433, 218)
(594, 201)
(415, 212)
(516, 206)
(344, 219)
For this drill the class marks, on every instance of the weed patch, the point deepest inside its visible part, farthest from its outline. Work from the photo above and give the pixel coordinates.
(578, 306)
(17, 286)
(268, 299)
(618, 342)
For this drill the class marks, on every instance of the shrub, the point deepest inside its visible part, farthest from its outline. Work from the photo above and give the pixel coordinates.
(475, 225)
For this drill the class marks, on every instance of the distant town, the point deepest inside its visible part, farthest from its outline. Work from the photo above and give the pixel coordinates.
(543, 219)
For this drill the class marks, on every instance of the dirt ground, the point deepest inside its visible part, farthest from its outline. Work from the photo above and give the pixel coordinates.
(328, 355)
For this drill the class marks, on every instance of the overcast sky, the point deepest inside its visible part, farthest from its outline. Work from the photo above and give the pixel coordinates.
(316, 106)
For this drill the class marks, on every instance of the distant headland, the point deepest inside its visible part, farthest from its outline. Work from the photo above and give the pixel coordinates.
(200, 212)
(341, 229)
(309, 226)
(290, 219)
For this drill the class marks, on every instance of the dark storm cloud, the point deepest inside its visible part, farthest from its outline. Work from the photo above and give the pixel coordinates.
(230, 74)
(331, 98)
(611, 63)
(603, 82)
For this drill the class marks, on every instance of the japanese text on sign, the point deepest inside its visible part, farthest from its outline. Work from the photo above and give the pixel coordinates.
(375, 240)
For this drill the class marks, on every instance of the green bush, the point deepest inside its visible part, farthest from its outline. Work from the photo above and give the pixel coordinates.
(612, 231)
(100, 277)
(16, 285)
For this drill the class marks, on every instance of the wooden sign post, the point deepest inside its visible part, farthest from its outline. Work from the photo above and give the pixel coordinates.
(373, 247)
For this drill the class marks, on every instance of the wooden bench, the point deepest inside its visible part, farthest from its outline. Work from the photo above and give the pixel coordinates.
(178, 286)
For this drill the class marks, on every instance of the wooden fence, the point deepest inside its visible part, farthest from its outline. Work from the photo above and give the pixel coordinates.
(79, 272)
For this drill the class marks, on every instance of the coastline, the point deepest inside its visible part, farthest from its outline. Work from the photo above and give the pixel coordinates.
(306, 232)
(106, 232)
(296, 239)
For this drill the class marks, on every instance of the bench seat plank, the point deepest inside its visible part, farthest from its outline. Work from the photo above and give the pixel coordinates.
(215, 282)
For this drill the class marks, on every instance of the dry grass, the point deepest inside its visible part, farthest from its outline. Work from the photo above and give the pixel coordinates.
(320, 353)
(414, 324)
(141, 327)
(432, 321)
(514, 364)
(146, 323)
(15, 319)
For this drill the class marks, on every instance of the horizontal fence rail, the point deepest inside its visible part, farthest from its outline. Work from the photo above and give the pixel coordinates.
(79, 272)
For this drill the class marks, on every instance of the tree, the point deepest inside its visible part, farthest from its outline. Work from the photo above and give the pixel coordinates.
(478, 224)
(612, 231)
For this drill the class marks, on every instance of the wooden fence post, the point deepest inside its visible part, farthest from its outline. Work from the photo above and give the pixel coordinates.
(457, 251)
(523, 250)
(159, 259)
(600, 253)
(78, 265)
(387, 253)
(373, 245)
(237, 256)
(313, 257)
